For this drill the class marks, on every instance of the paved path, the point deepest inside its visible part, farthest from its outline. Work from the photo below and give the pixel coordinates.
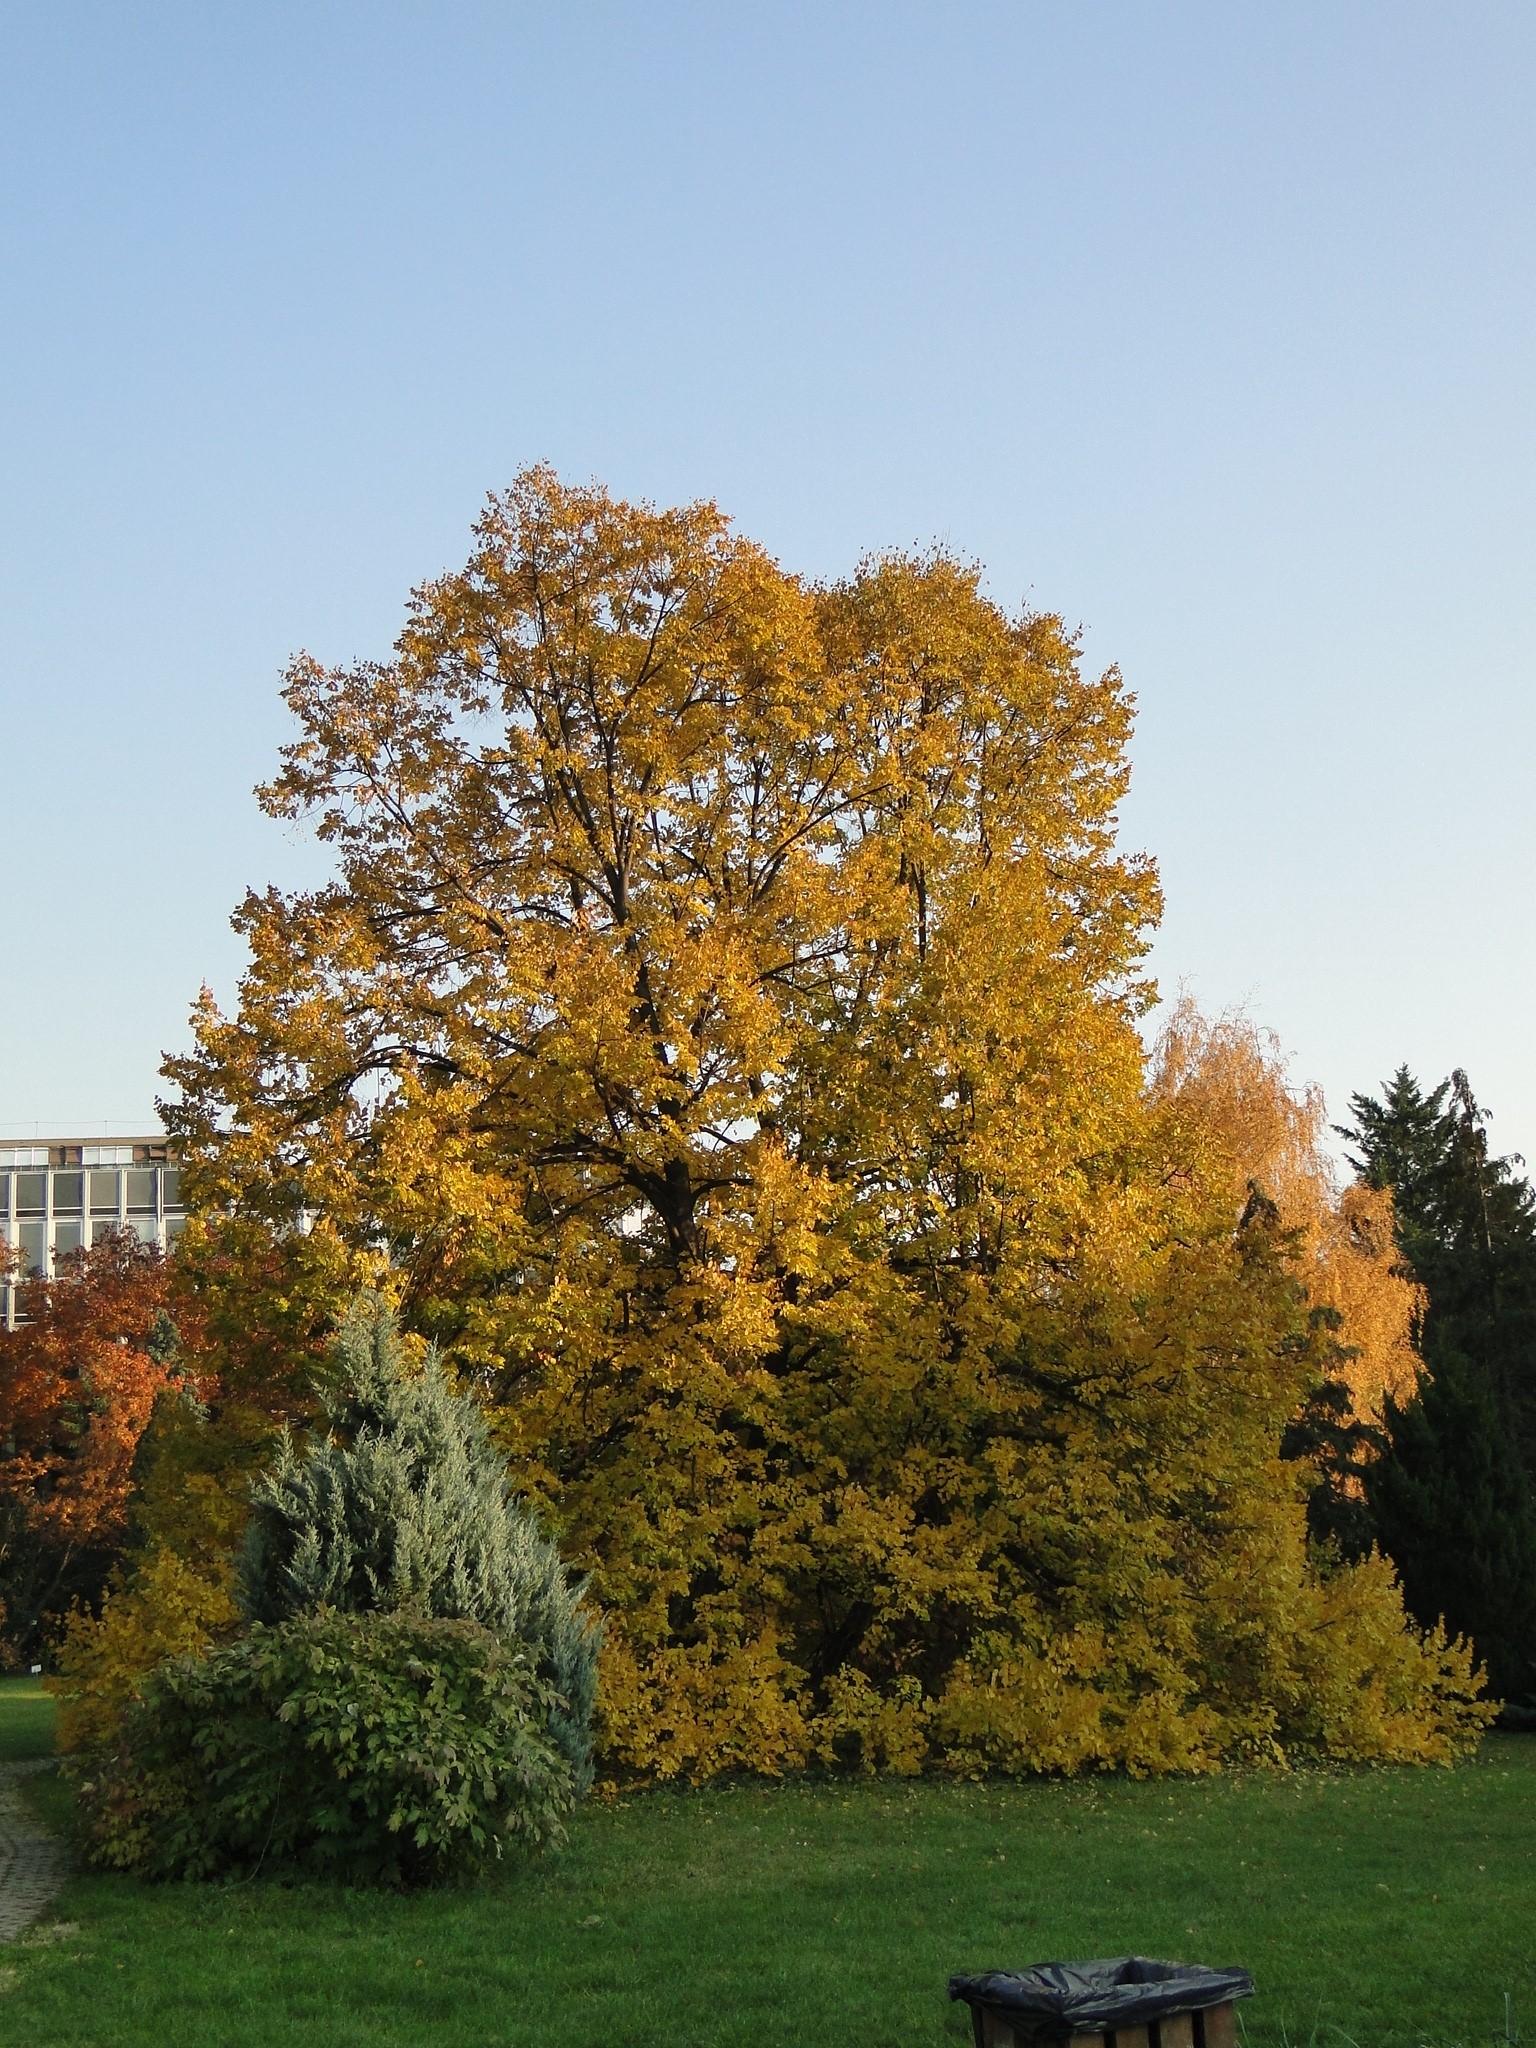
(33, 1863)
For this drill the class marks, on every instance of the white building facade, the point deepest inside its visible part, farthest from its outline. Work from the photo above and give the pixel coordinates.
(58, 1195)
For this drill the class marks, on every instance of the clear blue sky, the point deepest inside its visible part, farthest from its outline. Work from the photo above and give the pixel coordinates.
(1208, 326)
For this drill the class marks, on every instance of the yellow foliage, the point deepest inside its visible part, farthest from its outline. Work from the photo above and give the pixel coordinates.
(874, 1728)
(191, 1481)
(1257, 1131)
(1380, 1305)
(696, 1711)
(1369, 1687)
(725, 1014)
(166, 1609)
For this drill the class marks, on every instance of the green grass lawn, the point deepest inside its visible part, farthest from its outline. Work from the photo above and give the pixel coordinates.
(1395, 1906)
(26, 1720)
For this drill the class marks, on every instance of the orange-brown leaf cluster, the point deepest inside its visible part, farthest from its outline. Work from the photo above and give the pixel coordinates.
(79, 1377)
(1260, 1132)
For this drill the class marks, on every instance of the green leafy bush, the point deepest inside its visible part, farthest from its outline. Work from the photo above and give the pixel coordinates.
(406, 1503)
(165, 1608)
(396, 1748)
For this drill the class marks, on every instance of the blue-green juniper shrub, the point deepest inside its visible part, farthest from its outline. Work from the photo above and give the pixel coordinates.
(405, 1504)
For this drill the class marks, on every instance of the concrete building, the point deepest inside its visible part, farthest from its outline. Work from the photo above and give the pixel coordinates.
(61, 1193)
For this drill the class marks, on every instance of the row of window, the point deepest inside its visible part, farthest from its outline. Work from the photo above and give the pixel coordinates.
(69, 1234)
(70, 1191)
(49, 1210)
(90, 1155)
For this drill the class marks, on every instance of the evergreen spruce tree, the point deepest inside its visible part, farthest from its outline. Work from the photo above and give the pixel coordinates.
(1341, 1447)
(1452, 1505)
(405, 1503)
(1452, 1496)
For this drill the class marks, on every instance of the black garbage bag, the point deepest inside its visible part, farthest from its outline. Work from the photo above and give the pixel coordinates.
(1052, 2000)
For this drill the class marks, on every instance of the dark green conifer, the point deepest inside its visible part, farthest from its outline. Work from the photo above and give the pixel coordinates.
(1452, 1496)
(1340, 1447)
(1452, 1507)
(405, 1504)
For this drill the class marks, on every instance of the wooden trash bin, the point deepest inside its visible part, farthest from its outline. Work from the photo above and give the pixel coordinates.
(1216, 2027)
(1119, 2002)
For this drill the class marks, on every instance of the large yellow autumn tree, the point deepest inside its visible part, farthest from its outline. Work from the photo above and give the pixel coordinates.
(720, 1033)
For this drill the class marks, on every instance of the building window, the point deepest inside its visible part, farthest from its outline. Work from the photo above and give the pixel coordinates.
(90, 1191)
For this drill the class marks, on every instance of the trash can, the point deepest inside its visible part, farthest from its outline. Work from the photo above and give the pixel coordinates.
(1120, 2002)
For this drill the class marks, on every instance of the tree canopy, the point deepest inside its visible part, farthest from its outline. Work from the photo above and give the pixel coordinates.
(93, 1351)
(1452, 1499)
(720, 1034)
